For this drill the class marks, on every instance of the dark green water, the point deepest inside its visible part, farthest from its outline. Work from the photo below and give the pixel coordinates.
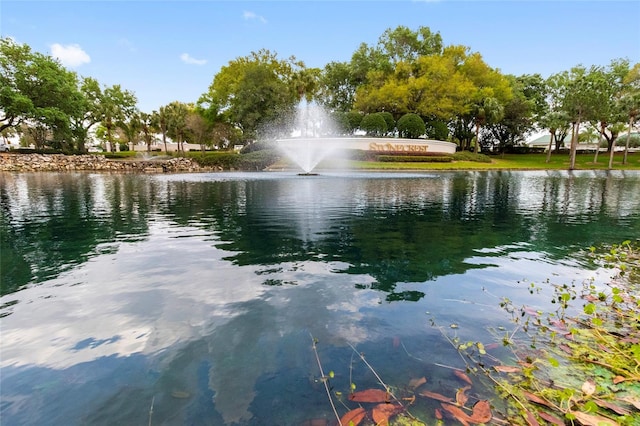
(200, 293)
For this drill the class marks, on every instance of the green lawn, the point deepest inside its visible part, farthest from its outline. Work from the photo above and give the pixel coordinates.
(509, 162)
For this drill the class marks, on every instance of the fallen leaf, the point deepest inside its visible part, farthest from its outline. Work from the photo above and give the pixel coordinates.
(436, 396)
(492, 346)
(613, 407)
(457, 413)
(369, 395)
(589, 387)
(353, 417)
(534, 398)
(438, 414)
(462, 376)
(507, 369)
(593, 420)
(461, 396)
(416, 383)
(635, 401)
(382, 412)
(531, 419)
(481, 412)
(551, 419)
(618, 379)
(180, 394)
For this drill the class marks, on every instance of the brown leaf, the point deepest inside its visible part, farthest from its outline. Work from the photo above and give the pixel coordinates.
(438, 414)
(461, 396)
(531, 419)
(416, 383)
(436, 396)
(457, 413)
(593, 420)
(613, 407)
(481, 412)
(589, 387)
(551, 419)
(534, 398)
(382, 412)
(353, 417)
(462, 376)
(633, 400)
(507, 369)
(369, 395)
(618, 379)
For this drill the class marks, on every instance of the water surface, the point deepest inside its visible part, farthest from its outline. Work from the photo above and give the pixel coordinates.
(200, 293)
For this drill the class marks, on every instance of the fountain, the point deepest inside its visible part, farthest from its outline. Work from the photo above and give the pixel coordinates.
(310, 143)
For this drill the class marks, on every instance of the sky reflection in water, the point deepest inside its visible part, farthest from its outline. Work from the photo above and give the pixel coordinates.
(200, 292)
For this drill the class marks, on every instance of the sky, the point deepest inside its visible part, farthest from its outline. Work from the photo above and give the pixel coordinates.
(166, 51)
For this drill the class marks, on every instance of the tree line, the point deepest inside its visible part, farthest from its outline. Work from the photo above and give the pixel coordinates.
(409, 84)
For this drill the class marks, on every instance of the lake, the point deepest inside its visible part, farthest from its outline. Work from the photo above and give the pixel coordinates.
(194, 299)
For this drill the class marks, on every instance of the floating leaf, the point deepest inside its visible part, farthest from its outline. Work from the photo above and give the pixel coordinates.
(531, 419)
(618, 379)
(461, 396)
(457, 413)
(534, 398)
(551, 419)
(589, 387)
(369, 395)
(462, 376)
(416, 383)
(438, 414)
(454, 326)
(180, 394)
(353, 417)
(481, 412)
(506, 369)
(382, 412)
(593, 420)
(613, 407)
(436, 396)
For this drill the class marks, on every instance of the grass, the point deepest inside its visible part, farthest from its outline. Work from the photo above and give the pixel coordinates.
(509, 162)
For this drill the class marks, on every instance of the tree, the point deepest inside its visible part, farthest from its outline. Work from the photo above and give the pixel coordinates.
(132, 128)
(115, 106)
(160, 120)
(336, 87)
(630, 105)
(199, 129)
(37, 90)
(403, 45)
(177, 122)
(411, 126)
(255, 93)
(147, 129)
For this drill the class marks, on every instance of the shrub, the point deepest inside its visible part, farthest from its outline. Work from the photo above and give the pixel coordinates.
(374, 124)
(391, 123)
(415, 158)
(411, 126)
(470, 156)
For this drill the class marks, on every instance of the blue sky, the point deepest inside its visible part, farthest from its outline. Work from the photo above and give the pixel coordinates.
(171, 50)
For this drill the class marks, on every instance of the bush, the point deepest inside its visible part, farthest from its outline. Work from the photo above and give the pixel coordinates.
(118, 155)
(470, 156)
(415, 158)
(411, 126)
(437, 130)
(374, 124)
(391, 123)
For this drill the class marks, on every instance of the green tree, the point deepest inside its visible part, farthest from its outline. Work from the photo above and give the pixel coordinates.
(629, 100)
(255, 93)
(177, 113)
(411, 126)
(36, 89)
(199, 129)
(160, 121)
(147, 129)
(115, 106)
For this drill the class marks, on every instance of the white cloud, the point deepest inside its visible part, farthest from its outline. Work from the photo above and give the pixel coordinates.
(247, 15)
(188, 59)
(70, 55)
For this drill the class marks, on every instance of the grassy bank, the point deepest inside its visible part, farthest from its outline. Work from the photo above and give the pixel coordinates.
(508, 162)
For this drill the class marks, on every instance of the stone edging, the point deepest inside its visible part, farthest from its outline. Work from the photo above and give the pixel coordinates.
(61, 163)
